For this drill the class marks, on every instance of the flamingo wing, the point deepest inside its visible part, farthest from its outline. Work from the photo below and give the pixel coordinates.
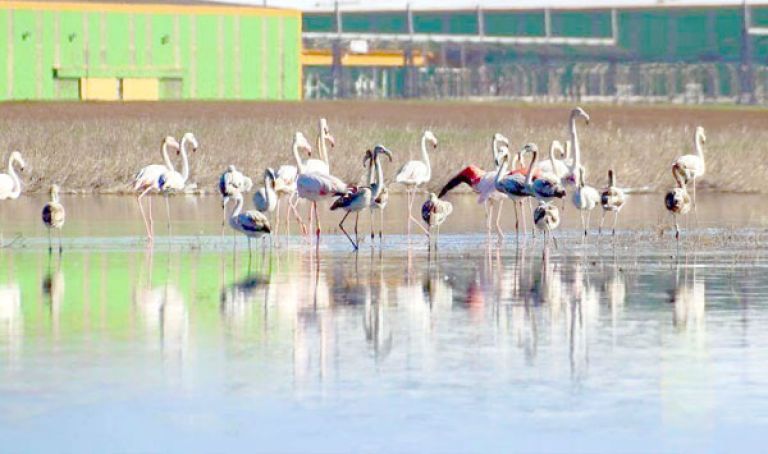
(413, 172)
(6, 186)
(316, 165)
(53, 214)
(149, 176)
(513, 185)
(253, 222)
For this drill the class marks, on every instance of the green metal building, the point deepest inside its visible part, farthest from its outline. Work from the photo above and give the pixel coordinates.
(112, 51)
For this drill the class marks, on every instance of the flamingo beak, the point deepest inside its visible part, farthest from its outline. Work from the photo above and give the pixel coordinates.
(388, 153)
(331, 140)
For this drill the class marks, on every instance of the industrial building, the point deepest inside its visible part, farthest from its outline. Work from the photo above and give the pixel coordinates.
(136, 51)
(644, 50)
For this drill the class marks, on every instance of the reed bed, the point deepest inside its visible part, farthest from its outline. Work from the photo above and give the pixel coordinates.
(97, 148)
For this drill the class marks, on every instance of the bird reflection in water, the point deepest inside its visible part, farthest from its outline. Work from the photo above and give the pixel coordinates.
(688, 298)
(11, 320)
(53, 290)
(378, 335)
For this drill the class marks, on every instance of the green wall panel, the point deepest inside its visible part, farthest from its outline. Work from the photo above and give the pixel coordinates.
(273, 60)
(24, 59)
(6, 64)
(207, 57)
(291, 57)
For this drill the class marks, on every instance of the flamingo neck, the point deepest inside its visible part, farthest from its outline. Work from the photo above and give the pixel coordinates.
(552, 160)
(238, 209)
(16, 182)
(268, 188)
(575, 143)
(501, 169)
(425, 156)
(166, 158)
(495, 149)
(55, 197)
(299, 164)
(611, 179)
(529, 177)
(698, 146)
(379, 177)
(184, 159)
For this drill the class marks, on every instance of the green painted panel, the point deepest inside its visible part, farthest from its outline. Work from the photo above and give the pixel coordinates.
(5, 63)
(228, 64)
(514, 24)
(390, 23)
(25, 37)
(140, 24)
(463, 23)
(118, 33)
(93, 36)
(362, 22)
(428, 23)
(46, 65)
(291, 53)
(207, 57)
(691, 28)
(162, 41)
(273, 61)
(581, 24)
(184, 42)
(250, 63)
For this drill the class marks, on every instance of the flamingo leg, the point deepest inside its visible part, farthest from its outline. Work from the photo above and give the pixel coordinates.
(277, 223)
(168, 212)
(151, 221)
(583, 225)
(488, 205)
(341, 226)
(317, 220)
(410, 204)
(498, 220)
(615, 220)
(293, 205)
(311, 221)
(59, 235)
(381, 223)
(602, 220)
(677, 229)
(143, 215)
(50, 245)
(589, 219)
(373, 234)
(357, 219)
(224, 212)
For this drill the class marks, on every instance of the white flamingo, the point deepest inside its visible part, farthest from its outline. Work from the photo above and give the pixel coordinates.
(576, 113)
(285, 183)
(231, 181)
(172, 180)
(678, 201)
(265, 199)
(53, 216)
(585, 198)
(483, 183)
(10, 184)
(560, 167)
(415, 173)
(543, 186)
(148, 179)
(691, 166)
(324, 137)
(314, 186)
(612, 199)
(252, 224)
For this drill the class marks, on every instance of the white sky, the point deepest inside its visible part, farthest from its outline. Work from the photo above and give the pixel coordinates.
(351, 5)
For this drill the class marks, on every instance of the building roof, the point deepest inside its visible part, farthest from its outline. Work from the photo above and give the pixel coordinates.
(432, 5)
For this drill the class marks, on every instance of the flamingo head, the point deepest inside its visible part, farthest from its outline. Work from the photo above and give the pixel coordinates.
(381, 149)
(701, 134)
(502, 155)
(301, 142)
(54, 190)
(190, 139)
(368, 157)
(500, 139)
(269, 174)
(327, 132)
(579, 112)
(530, 148)
(429, 136)
(171, 143)
(231, 168)
(557, 146)
(16, 156)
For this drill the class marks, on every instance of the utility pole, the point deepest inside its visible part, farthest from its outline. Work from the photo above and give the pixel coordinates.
(410, 82)
(746, 71)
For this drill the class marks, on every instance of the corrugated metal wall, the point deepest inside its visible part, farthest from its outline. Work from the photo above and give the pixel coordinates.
(192, 52)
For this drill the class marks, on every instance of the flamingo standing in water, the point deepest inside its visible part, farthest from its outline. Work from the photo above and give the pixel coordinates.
(53, 216)
(545, 186)
(10, 184)
(483, 183)
(678, 201)
(148, 179)
(612, 199)
(546, 217)
(171, 180)
(376, 182)
(265, 199)
(585, 198)
(576, 113)
(513, 185)
(252, 224)
(691, 166)
(314, 186)
(230, 182)
(415, 173)
(285, 185)
(355, 202)
(434, 212)
(560, 167)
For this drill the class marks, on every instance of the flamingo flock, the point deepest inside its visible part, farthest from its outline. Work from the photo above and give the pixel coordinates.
(536, 187)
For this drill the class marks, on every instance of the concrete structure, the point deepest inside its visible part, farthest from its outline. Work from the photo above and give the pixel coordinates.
(112, 51)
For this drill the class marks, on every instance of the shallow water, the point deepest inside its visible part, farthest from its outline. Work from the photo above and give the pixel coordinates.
(633, 343)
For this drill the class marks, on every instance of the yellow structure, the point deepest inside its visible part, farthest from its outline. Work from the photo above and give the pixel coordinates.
(144, 89)
(99, 89)
(387, 58)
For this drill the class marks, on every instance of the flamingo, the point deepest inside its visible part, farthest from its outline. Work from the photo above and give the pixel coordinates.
(514, 185)
(612, 199)
(678, 201)
(483, 183)
(691, 166)
(576, 113)
(415, 173)
(546, 217)
(435, 212)
(148, 178)
(10, 185)
(355, 202)
(324, 137)
(585, 198)
(314, 186)
(285, 183)
(546, 186)
(376, 181)
(53, 216)
(265, 199)
(231, 181)
(559, 167)
(252, 224)
(171, 180)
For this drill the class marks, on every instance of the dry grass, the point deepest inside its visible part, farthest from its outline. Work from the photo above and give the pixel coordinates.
(98, 147)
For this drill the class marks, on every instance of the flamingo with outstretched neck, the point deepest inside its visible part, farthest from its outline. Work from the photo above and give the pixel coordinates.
(612, 199)
(690, 167)
(172, 180)
(230, 182)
